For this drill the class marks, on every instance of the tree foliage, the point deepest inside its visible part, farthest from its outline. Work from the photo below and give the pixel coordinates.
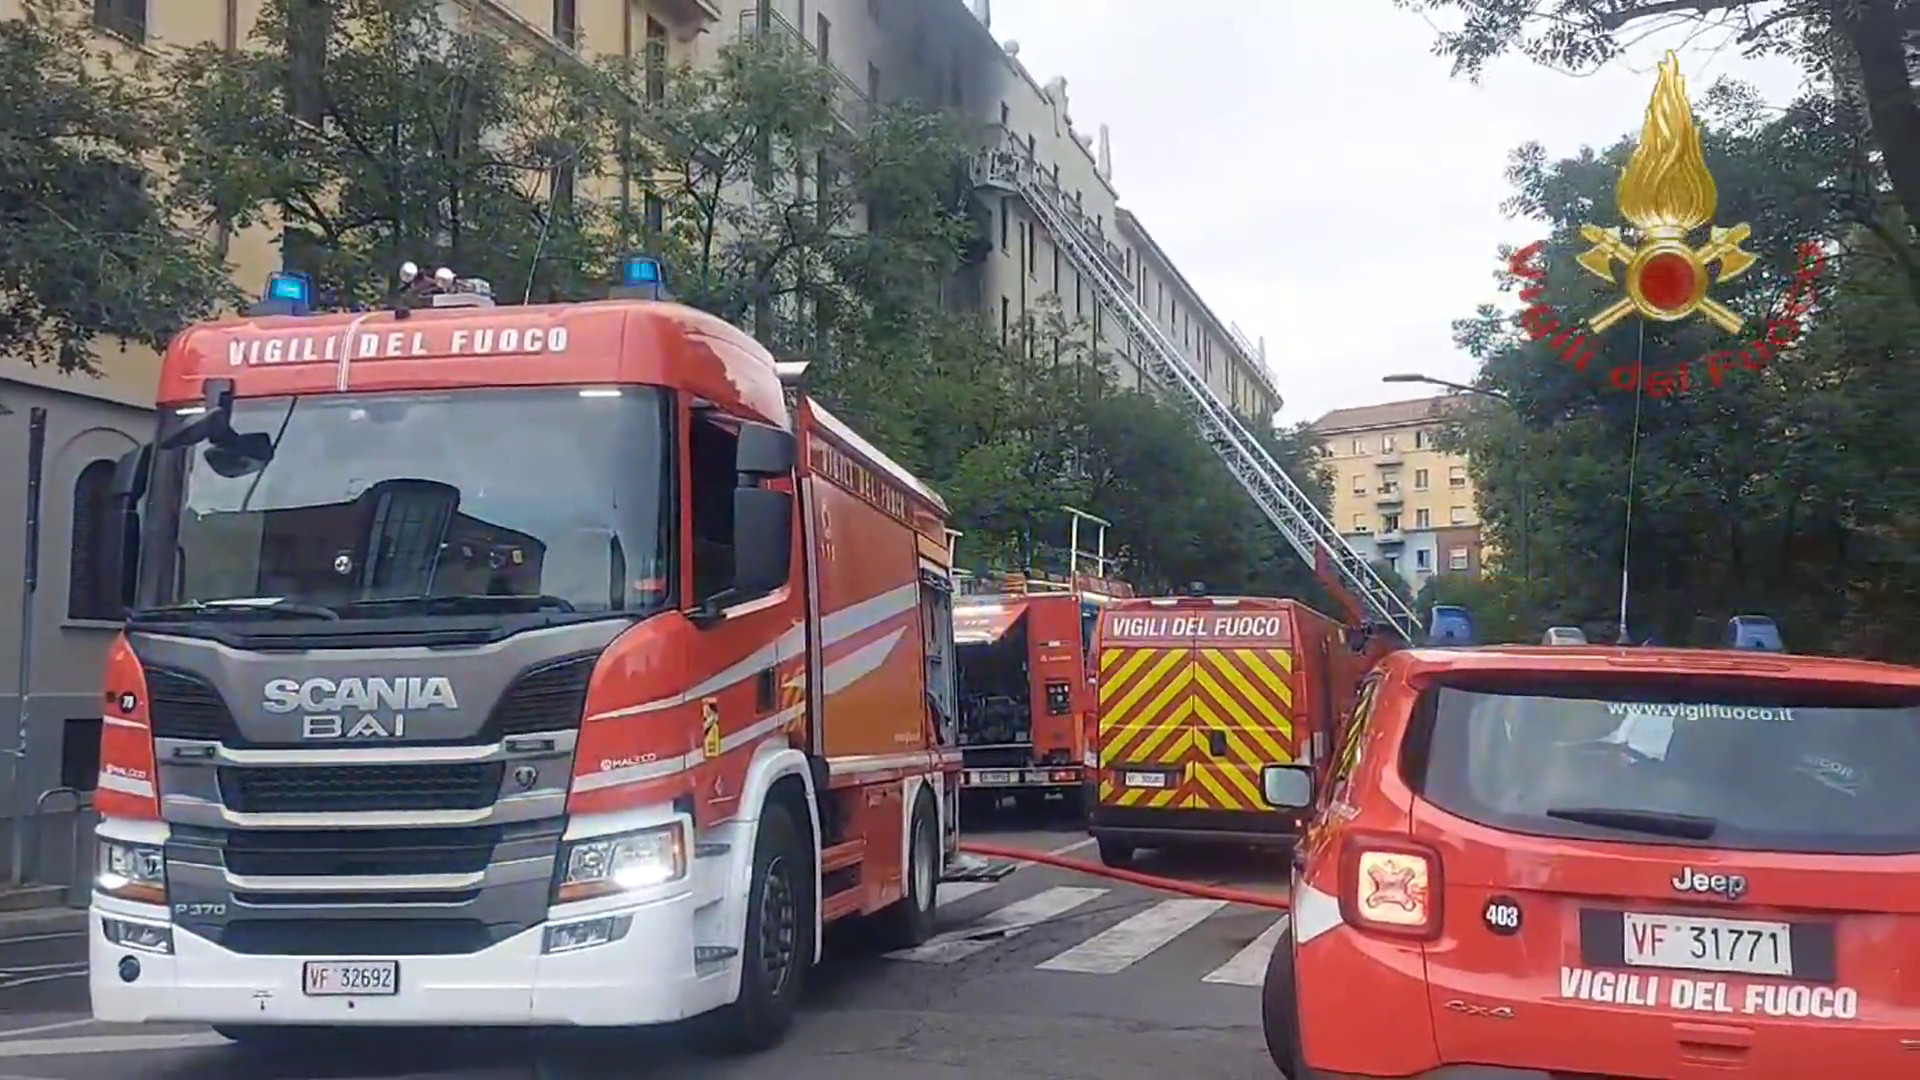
(1854, 50)
(830, 227)
(1785, 490)
(92, 245)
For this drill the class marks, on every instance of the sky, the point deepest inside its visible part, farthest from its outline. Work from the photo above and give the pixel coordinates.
(1317, 174)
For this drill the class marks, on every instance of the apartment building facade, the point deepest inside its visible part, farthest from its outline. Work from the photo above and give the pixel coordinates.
(1397, 497)
(944, 53)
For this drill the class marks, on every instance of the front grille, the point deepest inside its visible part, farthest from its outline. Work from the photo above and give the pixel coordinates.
(550, 696)
(360, 852)
(356, 937)
(185, 706)
(350, 788)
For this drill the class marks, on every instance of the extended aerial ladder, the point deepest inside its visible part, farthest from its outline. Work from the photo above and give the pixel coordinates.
(1305, 528)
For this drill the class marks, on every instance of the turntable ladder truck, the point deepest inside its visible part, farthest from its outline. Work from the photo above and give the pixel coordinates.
(1306, 529)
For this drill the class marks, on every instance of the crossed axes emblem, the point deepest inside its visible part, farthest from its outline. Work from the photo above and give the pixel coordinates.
(1680, 274)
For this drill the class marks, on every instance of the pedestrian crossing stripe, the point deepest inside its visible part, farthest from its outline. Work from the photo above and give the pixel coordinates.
(1108, 952)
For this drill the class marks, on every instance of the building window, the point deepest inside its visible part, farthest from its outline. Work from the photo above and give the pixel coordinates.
(1420, 480)
(1423, 519)
(1457, 558)
(1421, 440)
(1359, 483)
(656, 60)
(90, 593)
(1006, 115)
(127, 18)
(823, 38)
(655, 209)
(1006, 214)
(1456, 476)
(1360, 523)
(1422, 559)
(1457, 515)
(1389, 522)
(873, 82)
(1359, 447)
(566, 22)
(1386, 444)
(1389, 483)
(1006, 318)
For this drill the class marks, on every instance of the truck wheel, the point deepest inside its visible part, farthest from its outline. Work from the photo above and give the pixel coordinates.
(1115, 853)
(778, 947)
(909, 921)
(1280, 1011)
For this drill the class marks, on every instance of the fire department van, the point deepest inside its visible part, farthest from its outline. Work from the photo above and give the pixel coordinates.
(546, 665)
(1196, 695)
(1554, 861)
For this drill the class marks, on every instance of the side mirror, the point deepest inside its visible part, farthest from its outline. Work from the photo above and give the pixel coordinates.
(762, 540)
(764, 451)
(1287, 787)
(122, 541)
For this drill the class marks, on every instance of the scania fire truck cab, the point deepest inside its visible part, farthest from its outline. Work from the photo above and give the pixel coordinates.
(545, 665)
(1547, 861)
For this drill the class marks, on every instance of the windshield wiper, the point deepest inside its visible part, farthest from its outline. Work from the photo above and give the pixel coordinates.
(471, 604)
(1651, 822)
(272, 609)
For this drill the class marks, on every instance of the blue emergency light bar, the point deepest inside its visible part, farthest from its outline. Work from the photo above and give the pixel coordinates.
(289, 292)
(294, 288)
(640, 271)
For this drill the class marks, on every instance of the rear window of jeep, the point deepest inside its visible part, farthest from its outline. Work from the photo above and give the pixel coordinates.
(1815, 773)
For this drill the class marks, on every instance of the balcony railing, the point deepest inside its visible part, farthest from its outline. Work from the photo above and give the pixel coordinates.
(854, 106)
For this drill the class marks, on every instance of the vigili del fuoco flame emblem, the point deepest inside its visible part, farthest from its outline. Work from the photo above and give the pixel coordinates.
(1667, 193)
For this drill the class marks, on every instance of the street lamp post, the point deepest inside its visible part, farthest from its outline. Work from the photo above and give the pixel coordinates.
(1526, 523)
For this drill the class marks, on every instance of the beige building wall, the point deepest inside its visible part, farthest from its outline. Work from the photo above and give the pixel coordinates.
(1397, 497)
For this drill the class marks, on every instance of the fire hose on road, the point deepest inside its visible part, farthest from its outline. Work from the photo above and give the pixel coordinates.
(1135, 877)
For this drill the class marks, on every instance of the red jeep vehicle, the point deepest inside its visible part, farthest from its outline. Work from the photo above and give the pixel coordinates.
(1550, 863)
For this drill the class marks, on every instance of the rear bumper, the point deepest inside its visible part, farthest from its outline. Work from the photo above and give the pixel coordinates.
(1262, 828)
(646, 976)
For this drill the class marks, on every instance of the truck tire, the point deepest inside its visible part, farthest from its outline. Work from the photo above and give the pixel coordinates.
(778, 946)
(1280, 1012)
(909, 921)
(1115, 853)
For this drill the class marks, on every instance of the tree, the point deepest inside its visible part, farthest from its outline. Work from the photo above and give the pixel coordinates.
(373, 133)
(91, 247)
(1760, 491)
(1855, 48)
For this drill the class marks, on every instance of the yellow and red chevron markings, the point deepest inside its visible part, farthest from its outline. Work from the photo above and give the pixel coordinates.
(1213, 716)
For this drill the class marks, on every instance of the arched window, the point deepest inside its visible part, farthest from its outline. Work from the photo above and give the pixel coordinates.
(90, 593)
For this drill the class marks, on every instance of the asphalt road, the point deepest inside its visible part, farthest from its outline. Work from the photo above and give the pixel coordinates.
(1046, 973)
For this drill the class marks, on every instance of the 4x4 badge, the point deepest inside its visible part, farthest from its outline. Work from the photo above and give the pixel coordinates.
(1727, 886)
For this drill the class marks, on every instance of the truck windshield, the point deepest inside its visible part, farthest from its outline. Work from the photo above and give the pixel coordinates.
(1715, 769)
(409, 504)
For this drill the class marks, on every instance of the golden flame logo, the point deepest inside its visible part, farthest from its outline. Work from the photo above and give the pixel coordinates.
(1666, 193)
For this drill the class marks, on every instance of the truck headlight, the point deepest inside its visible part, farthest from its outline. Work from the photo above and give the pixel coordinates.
(132, 871)
(605, 865)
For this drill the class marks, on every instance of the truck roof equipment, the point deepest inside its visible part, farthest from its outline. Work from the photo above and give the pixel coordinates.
(1756, 632)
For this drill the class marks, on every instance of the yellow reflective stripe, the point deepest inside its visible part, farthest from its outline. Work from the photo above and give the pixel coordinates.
(1116, 713)
(1252, 728)
(1110, 683)
(1266, 675)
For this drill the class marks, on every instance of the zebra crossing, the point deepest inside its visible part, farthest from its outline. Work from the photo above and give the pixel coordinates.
(1106, 949)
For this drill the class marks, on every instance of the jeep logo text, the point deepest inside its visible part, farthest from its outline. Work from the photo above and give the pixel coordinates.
(1728, 886)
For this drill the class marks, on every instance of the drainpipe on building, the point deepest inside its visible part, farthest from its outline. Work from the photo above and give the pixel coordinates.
(29, 582)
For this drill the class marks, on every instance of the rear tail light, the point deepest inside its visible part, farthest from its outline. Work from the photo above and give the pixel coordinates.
(1390, 885)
